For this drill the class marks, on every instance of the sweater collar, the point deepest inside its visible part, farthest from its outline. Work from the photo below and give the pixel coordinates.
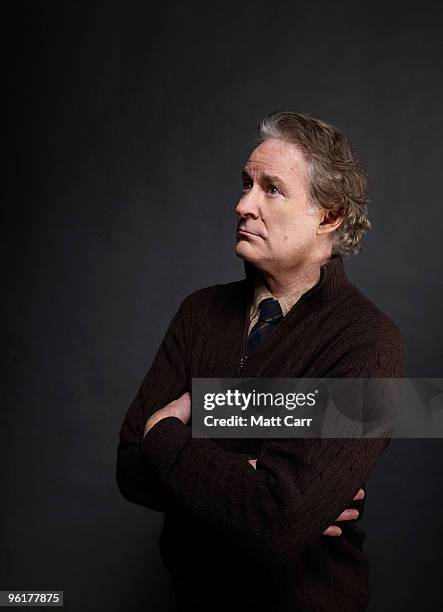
(332, 281)
(261, 292)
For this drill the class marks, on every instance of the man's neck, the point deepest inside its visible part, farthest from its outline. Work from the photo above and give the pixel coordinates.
(298, 280)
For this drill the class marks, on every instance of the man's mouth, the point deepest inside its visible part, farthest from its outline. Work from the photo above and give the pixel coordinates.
(245, 232)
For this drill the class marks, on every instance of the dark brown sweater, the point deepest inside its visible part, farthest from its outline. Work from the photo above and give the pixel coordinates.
(235, 538)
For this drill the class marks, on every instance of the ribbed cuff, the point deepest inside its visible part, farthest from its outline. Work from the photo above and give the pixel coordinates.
(164, 442)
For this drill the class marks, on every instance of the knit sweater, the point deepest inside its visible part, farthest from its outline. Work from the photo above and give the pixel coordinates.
(239, 538)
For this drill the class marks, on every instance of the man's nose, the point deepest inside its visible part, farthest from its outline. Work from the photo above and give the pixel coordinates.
(248, 206)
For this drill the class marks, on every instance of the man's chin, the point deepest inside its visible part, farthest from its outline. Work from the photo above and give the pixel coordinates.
(246, 251)
(243, 249)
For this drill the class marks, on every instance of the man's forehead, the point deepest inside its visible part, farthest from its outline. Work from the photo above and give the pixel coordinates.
(264, 166)
(283, 167)
(276, 157)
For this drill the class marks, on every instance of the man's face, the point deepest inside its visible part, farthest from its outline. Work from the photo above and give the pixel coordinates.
(276, 226)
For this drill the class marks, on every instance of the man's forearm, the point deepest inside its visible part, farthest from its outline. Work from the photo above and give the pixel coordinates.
(164, 382)
(278, 510)
(136, 479)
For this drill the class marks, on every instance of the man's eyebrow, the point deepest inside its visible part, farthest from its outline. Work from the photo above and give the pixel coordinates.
(271, 178)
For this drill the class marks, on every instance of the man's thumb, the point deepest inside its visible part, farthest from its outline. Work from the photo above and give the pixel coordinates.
(185, 398)
(183, 407)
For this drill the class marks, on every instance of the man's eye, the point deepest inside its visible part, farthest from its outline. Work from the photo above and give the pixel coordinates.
(276, 189)
(246, 185)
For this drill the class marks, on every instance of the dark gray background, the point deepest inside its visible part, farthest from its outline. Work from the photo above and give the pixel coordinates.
(130, 127)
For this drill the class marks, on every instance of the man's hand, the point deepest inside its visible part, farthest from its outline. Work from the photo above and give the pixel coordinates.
(347, 515)
(180, 408)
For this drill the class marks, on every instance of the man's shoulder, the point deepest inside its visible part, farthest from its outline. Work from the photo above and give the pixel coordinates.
(371, 320)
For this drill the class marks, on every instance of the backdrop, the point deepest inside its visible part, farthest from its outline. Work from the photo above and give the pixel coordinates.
(131, 123)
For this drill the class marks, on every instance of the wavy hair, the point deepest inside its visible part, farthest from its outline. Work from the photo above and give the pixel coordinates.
(337, 181)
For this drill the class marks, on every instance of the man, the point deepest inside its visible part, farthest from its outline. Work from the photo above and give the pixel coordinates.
(249, 524)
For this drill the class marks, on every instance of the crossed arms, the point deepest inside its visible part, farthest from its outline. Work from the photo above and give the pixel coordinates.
(181, 408)
(300, 487)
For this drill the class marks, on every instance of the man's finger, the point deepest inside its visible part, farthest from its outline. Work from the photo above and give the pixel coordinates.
(181, 407)
(360, 494)
(348, 515)
(332, 531)
(253, 462)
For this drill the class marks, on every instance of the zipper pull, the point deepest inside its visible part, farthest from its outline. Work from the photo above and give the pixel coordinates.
(242, 360)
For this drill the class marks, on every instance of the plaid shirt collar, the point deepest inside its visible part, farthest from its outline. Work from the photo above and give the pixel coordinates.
(261, 292)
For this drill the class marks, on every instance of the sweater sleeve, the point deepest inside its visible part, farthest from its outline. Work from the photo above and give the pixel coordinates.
(166, 380)
(299, 488)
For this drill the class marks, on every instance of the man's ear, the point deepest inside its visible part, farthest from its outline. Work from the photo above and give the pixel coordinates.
(329, 221)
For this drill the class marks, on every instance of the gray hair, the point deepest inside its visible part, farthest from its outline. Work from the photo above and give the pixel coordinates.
(337, 181)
